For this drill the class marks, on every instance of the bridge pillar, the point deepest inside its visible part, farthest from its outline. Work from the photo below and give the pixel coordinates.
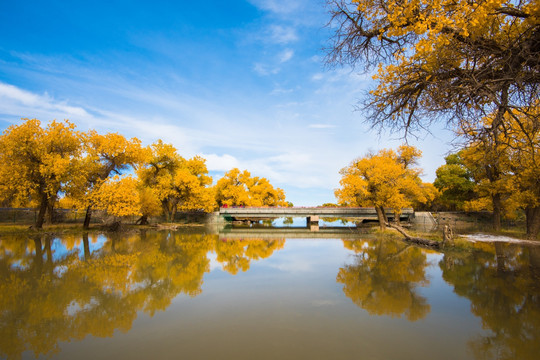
(314, 219)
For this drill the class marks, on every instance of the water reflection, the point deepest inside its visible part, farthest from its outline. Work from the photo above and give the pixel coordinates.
(54, 290)
(503, 284)
(384, 277)
(237, 255)
(56, 293)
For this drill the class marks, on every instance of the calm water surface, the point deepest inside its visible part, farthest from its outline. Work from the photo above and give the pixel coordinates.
(171, 295)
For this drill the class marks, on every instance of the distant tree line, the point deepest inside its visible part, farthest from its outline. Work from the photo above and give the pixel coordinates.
(58, 166)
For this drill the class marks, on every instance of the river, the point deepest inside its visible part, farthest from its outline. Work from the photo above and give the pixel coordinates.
(200, 295)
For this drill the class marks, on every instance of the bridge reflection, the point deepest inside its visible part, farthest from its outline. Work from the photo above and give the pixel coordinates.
(268, 232)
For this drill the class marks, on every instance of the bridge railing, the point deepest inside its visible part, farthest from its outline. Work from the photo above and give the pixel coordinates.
(306, 211)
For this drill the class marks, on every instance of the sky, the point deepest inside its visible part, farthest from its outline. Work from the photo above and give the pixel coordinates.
(241, 83)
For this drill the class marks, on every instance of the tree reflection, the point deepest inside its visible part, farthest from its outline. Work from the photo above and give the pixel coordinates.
(237, 255)
(50, 294)
(48, 297)
(503, 284)
(384, 276)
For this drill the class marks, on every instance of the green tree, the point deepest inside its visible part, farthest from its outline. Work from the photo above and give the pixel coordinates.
(455, 183)
(505, 166)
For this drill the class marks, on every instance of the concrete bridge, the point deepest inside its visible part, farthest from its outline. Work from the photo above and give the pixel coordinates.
(313, 214)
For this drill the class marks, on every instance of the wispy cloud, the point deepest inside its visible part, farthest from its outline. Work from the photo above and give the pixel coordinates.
(278, 6)
(286, 55)
(265, 70)
(283, 34)
(321, 126)
(15, 101)
(274, 66)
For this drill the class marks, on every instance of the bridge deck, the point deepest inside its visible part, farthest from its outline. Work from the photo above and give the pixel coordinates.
(270, 212)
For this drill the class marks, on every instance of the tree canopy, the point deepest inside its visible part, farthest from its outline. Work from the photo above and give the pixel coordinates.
(177, 182)
(237, 188)
(37, 163)
(454, 60)
(43, 166)
(455, 183)
(384, 180)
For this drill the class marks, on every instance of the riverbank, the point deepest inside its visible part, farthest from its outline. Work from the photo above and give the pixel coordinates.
(71, 228)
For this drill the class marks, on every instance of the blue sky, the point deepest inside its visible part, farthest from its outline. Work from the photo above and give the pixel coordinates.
(239, 82)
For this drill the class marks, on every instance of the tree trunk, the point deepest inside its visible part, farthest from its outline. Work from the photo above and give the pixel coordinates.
(86, 245)
(50, 209)
(173, 215)
(497, 210)
(534, 261)
(166, 210)
(143, 220)
(42, 210)
(381, 217)
(50, 213)
(87, 218)
(38, 259)
(416, 240)
(533, 222)
(501, 258)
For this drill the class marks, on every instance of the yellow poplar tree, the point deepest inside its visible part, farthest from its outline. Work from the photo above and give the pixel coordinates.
(450, 60)
(118, 196)
(237, 188)
(36, 163)
(149, 203)
(105, 155)
(505, 164)
(384, 180)
(177, 182)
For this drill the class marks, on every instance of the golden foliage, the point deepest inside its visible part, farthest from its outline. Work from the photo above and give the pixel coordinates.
(455, 60)
(118, 196)
(37, 163)
(384, 180)
(383, 278)
(177, 183)
(237, 188)
(505, 166)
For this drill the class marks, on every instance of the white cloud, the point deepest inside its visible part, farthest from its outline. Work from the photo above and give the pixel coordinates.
(22, 103)
(286, 55)
(277, 6)
(273, 67)
(224, 162)
(265, 70)
(321, 126)
(283, 34)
